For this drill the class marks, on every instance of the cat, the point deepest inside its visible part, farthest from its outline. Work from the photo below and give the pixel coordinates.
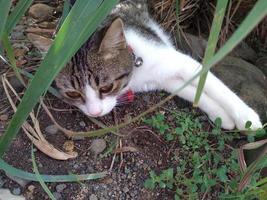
(130, 50)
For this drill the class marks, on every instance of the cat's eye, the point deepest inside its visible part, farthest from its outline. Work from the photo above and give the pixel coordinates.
(106, 89)
(73, 94)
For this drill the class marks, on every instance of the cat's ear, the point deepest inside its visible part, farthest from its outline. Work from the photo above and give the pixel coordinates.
(114, 37)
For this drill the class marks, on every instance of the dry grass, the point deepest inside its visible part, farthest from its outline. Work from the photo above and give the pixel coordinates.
(195, 16)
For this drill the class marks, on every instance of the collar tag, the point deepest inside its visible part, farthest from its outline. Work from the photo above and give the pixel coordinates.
(138, 61)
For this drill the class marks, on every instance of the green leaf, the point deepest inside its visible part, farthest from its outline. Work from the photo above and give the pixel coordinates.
(221, 174)
(48, 178)
(218, 122)
(193, 188)
(81, 22)
(248, 124)
(162, 184)
(66, 10)
(10, 54)
(150, 184)
(4, 10)
(169, 137)
(168, 173)
(179, 130)
(212, 43)
(16, 14)
(39, 177)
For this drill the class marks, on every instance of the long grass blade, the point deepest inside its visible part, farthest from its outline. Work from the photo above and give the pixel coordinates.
(49, 178)
(81, 22)
(16, 14)
(66, 10)
(11, 56)
(4, 9)
(212, 43)
(39, 178)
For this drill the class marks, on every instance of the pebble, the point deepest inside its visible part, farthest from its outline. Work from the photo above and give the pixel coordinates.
(31, 188)
(60, 187)
(93, 197)
(40, 11)
(76, 166)
(52, 129)
(16, 191)
(98, 146)
(125, 189)
(68, 146)
(57, 195)
(18, 36)
(82, 124)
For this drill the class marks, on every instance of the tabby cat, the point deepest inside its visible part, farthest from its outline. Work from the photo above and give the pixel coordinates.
(131, 51)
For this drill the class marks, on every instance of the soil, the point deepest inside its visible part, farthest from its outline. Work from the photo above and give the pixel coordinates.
(128, 174)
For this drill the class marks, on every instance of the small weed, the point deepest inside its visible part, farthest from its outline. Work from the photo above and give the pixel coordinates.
(203, 161)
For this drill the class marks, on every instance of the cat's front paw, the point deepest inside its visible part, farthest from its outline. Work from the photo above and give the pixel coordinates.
(246, 115)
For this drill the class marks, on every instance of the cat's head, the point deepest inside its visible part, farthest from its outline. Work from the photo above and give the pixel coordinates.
(96, 77)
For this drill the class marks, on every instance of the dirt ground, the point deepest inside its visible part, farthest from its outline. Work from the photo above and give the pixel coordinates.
(129, 172)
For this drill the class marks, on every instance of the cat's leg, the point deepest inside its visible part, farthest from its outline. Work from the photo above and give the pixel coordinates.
(208, 105)
(215, 89)
(236, 107)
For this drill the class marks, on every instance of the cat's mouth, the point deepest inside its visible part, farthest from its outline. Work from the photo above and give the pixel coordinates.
(125, 98)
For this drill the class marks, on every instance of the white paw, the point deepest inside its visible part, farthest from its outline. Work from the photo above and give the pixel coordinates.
(227, 122)
(246, 115)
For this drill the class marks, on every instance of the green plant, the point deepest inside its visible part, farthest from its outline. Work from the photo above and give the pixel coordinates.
(201, 165)
(164, 180)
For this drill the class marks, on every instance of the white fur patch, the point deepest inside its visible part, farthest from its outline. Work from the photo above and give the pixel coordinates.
(94, 106)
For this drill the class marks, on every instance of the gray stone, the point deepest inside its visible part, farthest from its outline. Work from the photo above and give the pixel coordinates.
(93, 197)
(40, 11)
(76, 166)
(98, 146)
(82, 124)
(125, 189)
(261, 63)
(246, 80)
(51, 129)
(196, 46)
(16, 191)
(61, 187)
(17, 36)
(18, 33)
(244, 51)
(57, 195)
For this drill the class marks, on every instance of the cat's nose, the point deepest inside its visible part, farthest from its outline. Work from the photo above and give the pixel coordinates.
(95, 112)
